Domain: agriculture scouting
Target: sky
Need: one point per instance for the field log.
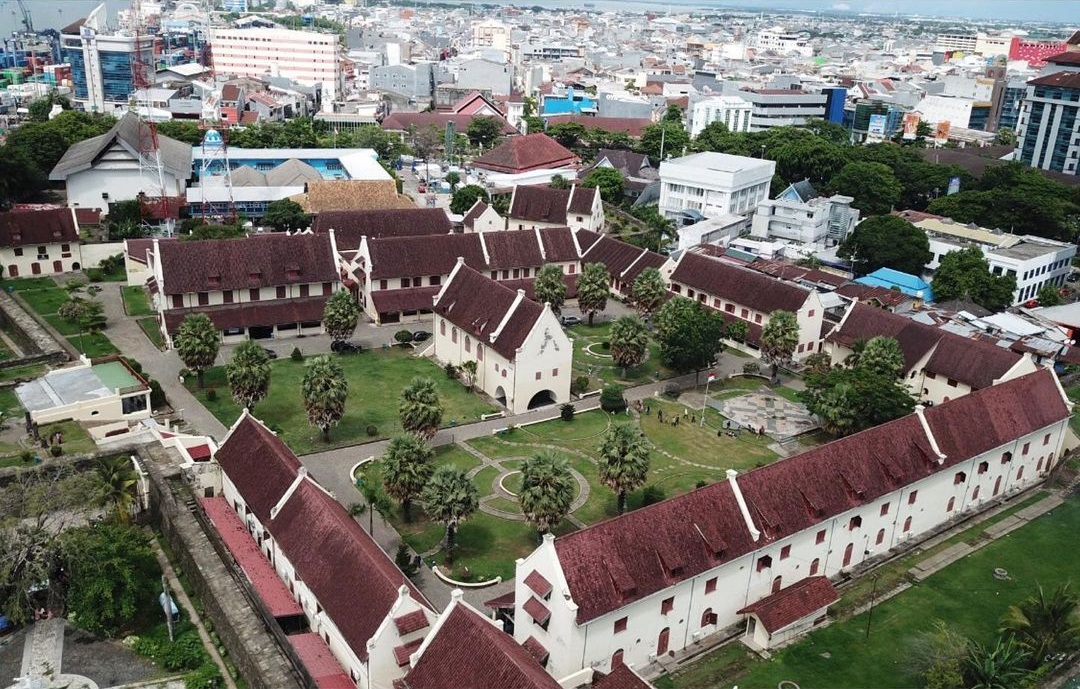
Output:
(1065, 11)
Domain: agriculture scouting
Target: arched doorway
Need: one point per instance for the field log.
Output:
(542, 399)
(500, 395)
(662, 641)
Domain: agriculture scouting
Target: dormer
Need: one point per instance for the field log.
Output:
(213, 281)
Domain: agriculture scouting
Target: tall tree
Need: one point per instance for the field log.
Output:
(286, 215)
(550, 287)
(484, 131)
(427, 142)
(648, 292)
(690, 335)
(664, 140)
(886, 241)
(465, 197)
(872, 185)
(197, 342)
(624, 460)
(1044, 624)
(849, 400)
(593, 289)
(547, 490)
(559, 182)
(324, 389)
(881, 355)
(450, 497)
(1049, 295)
(629, 342)
(965, 274)
(419, 408)
(118, 482)
(608, 180)
(568, 134)
(248, 374)
(779, 339)
(407, 467)
(340, 315)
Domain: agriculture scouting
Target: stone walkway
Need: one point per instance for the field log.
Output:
(781, 418)
(43, 655)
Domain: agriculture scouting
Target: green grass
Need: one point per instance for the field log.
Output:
(965, 594)
(93, 344)
(150, 327)
(136, 302)
(599, 367)
(75, 439)
(22, 372)
(45, 296)
(375, 378)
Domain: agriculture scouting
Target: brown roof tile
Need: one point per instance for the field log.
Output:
(412, 622)
(618, 256)
(537, 582)
(536, 649)
(477, 305)
(402, 652)
(512, 250)
(739, 285)
(259, 464)
(253, 313)
(621, 677)
(789, 605)
(403, 121)
(265, 260)
(1068, 80)
(350, 226)
(1069, 57)
(634, 126)
(475, 212)
(395, 257)
(581, 200)
(351, 194)
(398, 300)
(469, 652)
(23, 228)
(524, 153)
(539, 203)
(558, 244)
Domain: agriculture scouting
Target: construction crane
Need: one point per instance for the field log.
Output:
(153, 197)
(27, 19)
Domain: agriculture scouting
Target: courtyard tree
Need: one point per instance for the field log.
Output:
(197, 342)
(547, 490)
(248, 374)
(376, 501)
(340, 315)
(484, 131)
(849, 400)
(648, 291)
(938, 656)
(468, 373)
(624, 460)
(779, 339)
(817, 364)
(419, 408)
(965, 274)
(324, 389)
(629, 342)
(608, 180)
(886, 241)
(550, 287)
(689, 334)
(286, 215)
(881, 355)
(118, 480)
(407, 467)
(450, 497)
(426, 142)
(465, 197)
(593, 289)
(1044, 623)
(453, 179)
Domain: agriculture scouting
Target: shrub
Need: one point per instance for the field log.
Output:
(405, 561)
(372, 430)
(566, 412)
(186, 653)
(652, 495)
(211, 395)
(580, 385)
(134, 365)
(296, 355)
(206, 677)
(403, 337)
(95, 274)
(157, 394)
(26, 456)
(701, 484)
(751, 368)
(605, 345)
(56, 450)
(451, 371)
(611, 398)
(672, 390)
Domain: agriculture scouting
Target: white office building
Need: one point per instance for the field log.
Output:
(799, 214)
(733, 111)
(713, 184)
(778, 40)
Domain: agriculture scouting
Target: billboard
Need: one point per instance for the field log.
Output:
(877, 125)
(911, 125)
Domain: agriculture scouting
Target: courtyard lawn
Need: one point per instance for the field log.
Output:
(593, 360)
(136, 302)
(149, 326)
(26, 372)
(375, 378)
(965, 594)
(45, 296)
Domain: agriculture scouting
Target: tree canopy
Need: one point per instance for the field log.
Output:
(547, 490)
(593, 289)
(340, 315)
(248, 374)
(407, 467)
(965, 274)
(779, 339)
(197, 342)
(886, 241)
(550, 287)
(663, 140)
(286, 215)
(874, 188)
(624, 460)
(689, 334)
(450, 497)
(647, 291)
(323, 390)
(608, 180)
(465, 197)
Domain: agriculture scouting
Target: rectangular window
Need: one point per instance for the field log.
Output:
(65, 248)
(554, 373)
(912, 496)
(730, 308)
(405, 283)
(304, 290)
(810, 313)
(855, 523)
(178, 301)
(327, 288)
(757, 318)
(1046, 439)
(18, 251)
(744, 314)
(382, 284)
(204, 299)
(538, 375)
(434, 280)
(907, 525)
(764, 562)
(710, 585)
(785, 552)
(667, 605)
(282, 291)
(620, 625)
(453, 335)
(442, 328)
(1027, 446)
(820, 536)
(950, 505)
(884, 509)
(253, 294)
(227, 296)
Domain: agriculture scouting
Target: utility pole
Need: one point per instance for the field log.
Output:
(166, 605)
(870, 612)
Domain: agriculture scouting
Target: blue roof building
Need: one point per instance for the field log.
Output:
(573, 103)
(911, 285)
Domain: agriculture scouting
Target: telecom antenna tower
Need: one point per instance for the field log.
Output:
(154, 199)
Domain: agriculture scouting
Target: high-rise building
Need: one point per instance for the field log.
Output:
(101, 63)
(1048, 131)
(307, 57)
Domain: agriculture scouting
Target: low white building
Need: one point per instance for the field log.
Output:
(101, 392)
(44, 242)
(733, 111)
(662, 578)
(800, 214)
(524, 359)
(714, 184)
(532, 206)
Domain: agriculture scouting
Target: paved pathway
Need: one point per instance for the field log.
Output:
(43, 654)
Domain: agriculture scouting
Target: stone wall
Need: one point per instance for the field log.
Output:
(37, 344)
(251, 645)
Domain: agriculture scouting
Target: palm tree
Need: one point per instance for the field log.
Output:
(376, 501)
(593, 289)
(648, 292)
(547, 490)
(550, 287)
(248, 374)
(324, 389)
(1003, 666)
(629, 342)
(624, 460)
(118, 481)
(197, 342)
(406, 469)
(419, 409)
(450, 497)
(779, 338)
(1044, 625)
(340, 315)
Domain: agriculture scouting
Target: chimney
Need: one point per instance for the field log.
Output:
(754, 533)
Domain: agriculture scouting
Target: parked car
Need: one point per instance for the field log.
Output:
(420, 336)
(567, 321)
(345, 348)
(6, 625)
(270, 353)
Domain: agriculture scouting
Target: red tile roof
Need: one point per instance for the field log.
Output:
(539, 203)
(581, 200)
(475, 212)
(403, 121)
(512, 250)
(350, 226)
(259, 464)
(869, 293)
(352, 578)
(536, 649)
(504, 601)
(621, 560)
(264, 580)
(22, 228)
(633, 126)
(1068, 80)
(412, 622)
(524, 153)
(621, 677)
(402, 652)
(88, 216)
(264, 260)
(478, 305)
(1069, 57)
(253, 313)
(397, 257)
(737, 284)
(789, 605)
(199, 452)
(623, 261)
(319, 662)
(398, 300)
(537, 610)
(558, 244)
(537, 582)
(469, 652)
